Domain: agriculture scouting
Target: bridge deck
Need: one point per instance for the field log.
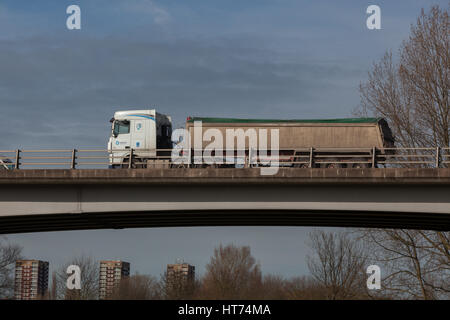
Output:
(51, 200)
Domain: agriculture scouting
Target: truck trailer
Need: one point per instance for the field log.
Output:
(348, 142)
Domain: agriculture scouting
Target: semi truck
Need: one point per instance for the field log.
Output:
(144, 136)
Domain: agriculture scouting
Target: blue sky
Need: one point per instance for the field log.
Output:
(265, 58)
(270, 58)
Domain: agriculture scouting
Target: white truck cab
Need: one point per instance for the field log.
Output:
(143, 131)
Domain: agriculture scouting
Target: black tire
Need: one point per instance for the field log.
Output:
(178, 165)
(359, 165)
(335, 165)
(134, 164)
(301, 165)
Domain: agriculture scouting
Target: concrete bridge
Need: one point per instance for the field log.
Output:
(50, 200)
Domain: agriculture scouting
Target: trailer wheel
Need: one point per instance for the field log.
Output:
(359, 165)
(301, 165)
(335, 165)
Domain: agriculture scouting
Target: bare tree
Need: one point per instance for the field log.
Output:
(412, 94)
(232, 273)
(9, 253)
(415, 263)
(305, 288)
(137, 287)
(89, 268)
(274, 287)
(337, 264)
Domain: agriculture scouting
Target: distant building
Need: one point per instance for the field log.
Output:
(180, 273)
(31, 279)
(111, 273)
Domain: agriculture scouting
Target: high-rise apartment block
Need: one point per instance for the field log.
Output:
(111, 273)
(31, 279)
(180, 272)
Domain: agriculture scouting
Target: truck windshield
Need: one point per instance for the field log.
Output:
(121, 127)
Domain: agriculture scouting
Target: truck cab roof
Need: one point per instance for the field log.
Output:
(146, 114)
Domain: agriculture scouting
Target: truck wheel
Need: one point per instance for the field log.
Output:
(178, 165)
(136, 164)
(141, 163)
(125, 164)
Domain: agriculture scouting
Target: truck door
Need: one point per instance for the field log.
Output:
(121, 139)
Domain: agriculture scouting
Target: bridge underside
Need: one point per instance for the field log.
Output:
(97, 199)
(119, 220)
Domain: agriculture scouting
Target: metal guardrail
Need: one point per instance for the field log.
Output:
(300, 157)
